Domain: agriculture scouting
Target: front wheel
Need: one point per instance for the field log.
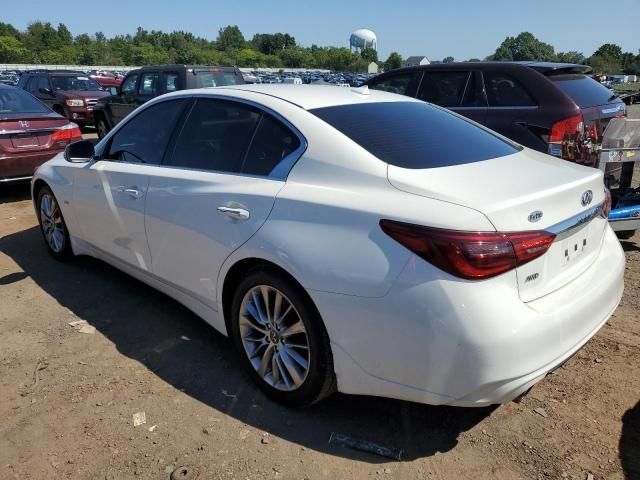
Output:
(281, 339)
(102, 127)
(52, 225)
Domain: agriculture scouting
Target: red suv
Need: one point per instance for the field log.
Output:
(71, 94)
(30, 134)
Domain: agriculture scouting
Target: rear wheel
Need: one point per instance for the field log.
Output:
(281, 339)
(52, 225)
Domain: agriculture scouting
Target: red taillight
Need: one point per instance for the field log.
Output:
(606, 206)
(567, 129)
(69, 132)
(470, 255)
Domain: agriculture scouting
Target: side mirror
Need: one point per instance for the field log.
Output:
(46, 91)
(79, 152)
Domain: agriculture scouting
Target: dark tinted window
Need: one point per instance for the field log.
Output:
(144, 138)
(443, 88)
(129, 84)
(505, 91)
(170, 81)
(38, 82)
(472, 95)
(149, 83)
(395, 84)
(414, 134)
(585, 91)
(271, 143)
(13, 100)
(215, 136)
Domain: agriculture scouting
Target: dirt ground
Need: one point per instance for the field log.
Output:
(68, 398)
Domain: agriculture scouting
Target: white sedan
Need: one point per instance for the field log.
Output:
(347, 240)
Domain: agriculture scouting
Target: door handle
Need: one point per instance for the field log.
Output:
(132, 192)
(236, 213)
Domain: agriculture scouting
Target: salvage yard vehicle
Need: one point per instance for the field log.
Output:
(30, 134)
(479, 267)
(143, 84)
(106, 79)
(69, 93)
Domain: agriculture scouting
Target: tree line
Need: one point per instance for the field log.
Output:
(41, 42)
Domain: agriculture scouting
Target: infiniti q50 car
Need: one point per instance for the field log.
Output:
(347, 240)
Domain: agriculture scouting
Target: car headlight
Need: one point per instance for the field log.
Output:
(74, 103)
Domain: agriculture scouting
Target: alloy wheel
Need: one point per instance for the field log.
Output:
(274, 338)
(52, 224)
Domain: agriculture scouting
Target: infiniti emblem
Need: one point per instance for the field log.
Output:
(586, 198)
(24, 123)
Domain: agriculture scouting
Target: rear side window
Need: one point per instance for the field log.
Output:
(204, 79)
(414, 134)
(143, 139)
(505, 91)
(395, 84)
(170, 82)
(585, 91)
(443, 88)
(13, 100)
(215, 136)
(271, 144)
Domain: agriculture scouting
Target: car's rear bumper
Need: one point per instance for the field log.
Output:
(437, 340)
(21, 167)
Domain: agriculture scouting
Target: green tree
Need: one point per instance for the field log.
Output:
(609, 50)
(393, 61)
(11, 49)
(369, 55)
(474, 59)
(448, 60)
(230, 38)
(604, 65)
(571, 57)
(524, 47)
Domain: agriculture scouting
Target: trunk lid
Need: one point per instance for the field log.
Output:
(525, 191)
(23, 133)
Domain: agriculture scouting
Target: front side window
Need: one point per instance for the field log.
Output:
(143, 139)
(443, 88)
(415, 134)
(69, 82)
(129, 84)
(215, 136)
(395, 84)
(149, 83)
(505, 91)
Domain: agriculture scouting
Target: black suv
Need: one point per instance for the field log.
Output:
(143, 84)
(537, 104)
(70, 93)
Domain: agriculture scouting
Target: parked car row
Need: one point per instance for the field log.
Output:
(353, 79)
(352, 239)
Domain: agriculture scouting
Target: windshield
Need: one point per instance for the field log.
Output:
(68, 82)
(415, 134)
(214, 79)
(13, 100)
(583, 90)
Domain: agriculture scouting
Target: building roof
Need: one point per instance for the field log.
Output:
(415, 59)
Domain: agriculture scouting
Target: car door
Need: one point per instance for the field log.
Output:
(149, 87)
(110, 193)
(510, 105)
(123, 104)
(456, 90)
(215, 191)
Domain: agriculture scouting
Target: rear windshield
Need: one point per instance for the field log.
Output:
(414, 134)
(13, 100)
(214, 79)
(583, 90)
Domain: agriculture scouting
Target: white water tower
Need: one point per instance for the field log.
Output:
(361, 39)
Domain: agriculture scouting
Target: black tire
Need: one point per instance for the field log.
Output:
(64, 253)
(102, 128)
(625, 234)
(320, 379)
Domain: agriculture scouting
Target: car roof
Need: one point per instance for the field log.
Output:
(304, 96)
(542, 67)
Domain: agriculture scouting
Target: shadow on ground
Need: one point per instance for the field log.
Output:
(630, 443)
(149, 327)
(14, 192)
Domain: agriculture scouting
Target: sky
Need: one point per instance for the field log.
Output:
(463, 28)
